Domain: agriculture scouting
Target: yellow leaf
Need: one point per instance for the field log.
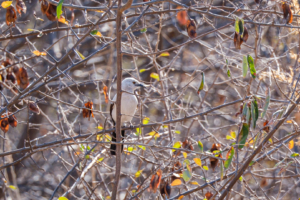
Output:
(176, 145)
(107, 197)
(184, 154)
(229, 137)
(81, 56)
(6, 4)
(271, 141)
(138, 173)
(100, 11)
(152, 133)
(63, 20)
(291, 144)
(146, 120)
(180, 197)
(205, 167)
(30, 29)
(289, 121)
(194, 183)
(165, 54)
(232, 133)
(43, 53)
(100, 127)
(176, 182)
(154, 75)
(63, 198)
(99, 160)
(12, 187)
(198, 161)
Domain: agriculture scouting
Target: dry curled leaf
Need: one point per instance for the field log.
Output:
(287, 12)
(12, 120)
(238, 39)
(33, 107)
(208, 195)
(49, 10)
(191, 28)
(105, 94)
(22, 78)
(165, 189)
(11, 15)
(155, 181)
(20, 5)
(87, 113)
(4, 124)
(215, 149)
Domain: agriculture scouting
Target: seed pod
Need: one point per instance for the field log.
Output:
(239, 39)
(4, 125)
(87, 113)
(33, 107)
(49, 10)
(287, 12)
(11, 15)
(165, 189)
(20, 5)
(12, 120)
(22, 78)
(191, 28)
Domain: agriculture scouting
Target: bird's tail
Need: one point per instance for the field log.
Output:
(113, 147)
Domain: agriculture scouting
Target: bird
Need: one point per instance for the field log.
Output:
(129, 104)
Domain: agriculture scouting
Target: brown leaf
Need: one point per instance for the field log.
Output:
(209, 195)
(214, 161)
(33, 107)
(12, 120)
(20, 5)
(4, 125)
(165, 189)
(264, 182)
(22, 78)
(287, 12)
(87, 113)
(11, 15)
(266, 128)
(238, 39)
(191, 28)
(49, 10)
(187, 145)
(105, 94)
(182, 17)
(155, 181)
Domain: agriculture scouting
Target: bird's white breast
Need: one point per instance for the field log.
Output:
(128, 107)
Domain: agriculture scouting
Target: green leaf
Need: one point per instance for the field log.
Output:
(144, 30)
(245, 110)
(100, 159)
(202, 83)
(243, 135)
(245, 66)
(96, 32)
(254, 113)
(251, 66)
(187, 173)
(241, 27)
(221, 170)
(187, 162)
(237, 28)
(87, 156)
(251, 163)
(200, 145)
(12, 187)
(138, 131)
(229, 157)
(59, 9)
(248, 116)
(267, 102)
(294, 155)
(142, 147)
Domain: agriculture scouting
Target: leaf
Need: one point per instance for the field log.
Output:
(63, 20)
(155, 134)
(177, 132)
(221, 170)
(293, 155)
(22, 78)
(229, 157)
(87, 112)
(130, 149)
(205, 167)
(154, 75)
(251, 66)
(233, 134)
(146, 120)
(155, 180)
(245, 66)
(241, 178)
(181, 197)
(81, 56)
(254, 113)
(63, 198)
(291, 144)
(176, 182)
(142, 70)
(138, 131)
(96, 32)
(243, 135)
(38, 53)
(105, 93)
(202, 83)
(138, 173)
(59, 9)
(6, 4)
(100, 159)
(198, 161)
(237, 28)
(200, 145)
(267, 102)
(176, 145)
(187, 173)
(184, 154)
(143, 30)
(182, 17)
(194, 183)
(191, 28)
(165, 54)
(12, 187)
(142, 147)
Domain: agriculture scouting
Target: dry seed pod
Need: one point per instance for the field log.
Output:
(49, 10)
(155, 180)
(20, 5)
(33, 107)
(12, 120)
(11, 15)
(87, 113)
(4, 125)
(191, 28)
(22, 78)
(287, 12)
(238, 39)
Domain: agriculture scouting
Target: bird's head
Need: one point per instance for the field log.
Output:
(130, 84)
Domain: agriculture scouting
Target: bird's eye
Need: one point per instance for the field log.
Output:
(133, 82)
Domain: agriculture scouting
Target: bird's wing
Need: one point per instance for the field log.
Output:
(111, 108)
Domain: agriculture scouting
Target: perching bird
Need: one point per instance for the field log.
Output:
(129, 104)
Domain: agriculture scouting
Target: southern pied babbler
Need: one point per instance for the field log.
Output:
(129, 104)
